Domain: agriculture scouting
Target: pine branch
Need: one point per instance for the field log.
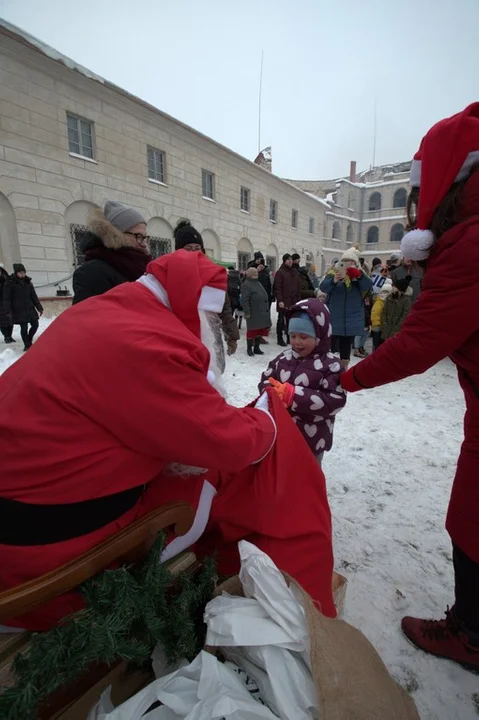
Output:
(127, 612)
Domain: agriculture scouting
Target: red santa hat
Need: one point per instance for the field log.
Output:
(190, 282)
(446, 155)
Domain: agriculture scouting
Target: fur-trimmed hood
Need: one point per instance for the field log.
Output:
(107, 233)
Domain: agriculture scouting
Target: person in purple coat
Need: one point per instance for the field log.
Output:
(306, 376)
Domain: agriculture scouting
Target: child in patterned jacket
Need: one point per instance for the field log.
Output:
(306, 376)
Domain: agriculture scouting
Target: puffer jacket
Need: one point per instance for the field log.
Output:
(318, 393)
(21, 302)
(377, 313)
(346, 304)
(255, 305)
(396, 310)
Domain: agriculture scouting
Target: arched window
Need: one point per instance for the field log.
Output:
(350, 234)
(397, 232)
(373, 234)
(375, 201)
(400, 197)
(336, 231)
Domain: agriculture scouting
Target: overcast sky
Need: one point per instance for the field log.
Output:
(325, 66)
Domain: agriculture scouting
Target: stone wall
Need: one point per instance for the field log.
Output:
(44, 189)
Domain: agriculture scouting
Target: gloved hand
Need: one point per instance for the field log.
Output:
(232, 346)
(354, 273)
(285, 392)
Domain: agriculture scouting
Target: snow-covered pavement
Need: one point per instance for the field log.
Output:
(389, 476)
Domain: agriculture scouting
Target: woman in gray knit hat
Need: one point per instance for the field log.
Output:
(115, 249)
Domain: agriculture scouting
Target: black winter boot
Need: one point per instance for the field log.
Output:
(257, 349)
(281, 342)
(250, 348)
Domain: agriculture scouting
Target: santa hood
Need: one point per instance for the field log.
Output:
(187, 283)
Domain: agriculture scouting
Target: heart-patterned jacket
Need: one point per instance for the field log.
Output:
(318, 394)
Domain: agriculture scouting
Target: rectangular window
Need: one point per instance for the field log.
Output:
(156, 165)
(80, 136)
(273, 211)
(245, 199)
(208, 184)
(294, 219)
(311, 225)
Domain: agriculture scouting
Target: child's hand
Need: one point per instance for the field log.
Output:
(285, 392)
(354, 273)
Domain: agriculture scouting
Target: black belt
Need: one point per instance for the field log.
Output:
(27, 524)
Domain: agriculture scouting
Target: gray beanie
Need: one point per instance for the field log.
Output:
(121, 216)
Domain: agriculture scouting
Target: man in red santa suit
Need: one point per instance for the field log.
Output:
(116, 410)
(444, 322)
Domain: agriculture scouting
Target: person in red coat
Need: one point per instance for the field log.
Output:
(444, 323)
(117, 410)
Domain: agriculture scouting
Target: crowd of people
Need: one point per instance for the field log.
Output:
(355, 295)
(149, 403)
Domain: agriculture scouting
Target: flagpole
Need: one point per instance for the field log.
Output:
(259, 101)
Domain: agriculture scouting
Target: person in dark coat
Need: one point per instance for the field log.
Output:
(287, 293)
(234, 288)
(6, 325)
(264, 276)
(188, 238)
(115, 248)
(22, 304)
(256, 311)
(400, 268)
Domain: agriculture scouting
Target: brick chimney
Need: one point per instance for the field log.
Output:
(352, 171)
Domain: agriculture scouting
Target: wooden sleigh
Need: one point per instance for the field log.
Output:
(129, 546)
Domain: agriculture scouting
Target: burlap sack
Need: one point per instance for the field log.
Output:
(351, 679)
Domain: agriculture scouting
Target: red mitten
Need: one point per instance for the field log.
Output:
(354, 273)
(285, 392)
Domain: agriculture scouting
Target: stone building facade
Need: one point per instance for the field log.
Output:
(367, 210)
(70, 140)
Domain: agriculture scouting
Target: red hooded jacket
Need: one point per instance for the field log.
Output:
(444, 322)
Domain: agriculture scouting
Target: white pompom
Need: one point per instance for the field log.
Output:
(417, 244)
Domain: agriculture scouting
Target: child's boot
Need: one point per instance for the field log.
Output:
(250, 347)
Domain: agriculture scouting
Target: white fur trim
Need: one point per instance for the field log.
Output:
(212, 299)
(180, 543)
(417, 244)
(471, 159)
(155, 287)
(263, 404)
(415, 176)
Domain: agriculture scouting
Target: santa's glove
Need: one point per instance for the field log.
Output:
(285, 392)
(354, 273)
(348, 381)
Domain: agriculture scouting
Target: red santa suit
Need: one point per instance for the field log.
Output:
(118, 388)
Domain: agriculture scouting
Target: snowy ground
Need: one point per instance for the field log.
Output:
(389, 476)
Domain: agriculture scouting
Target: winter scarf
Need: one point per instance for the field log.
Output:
(128, 261)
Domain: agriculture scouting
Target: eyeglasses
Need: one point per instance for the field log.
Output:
(139, 237)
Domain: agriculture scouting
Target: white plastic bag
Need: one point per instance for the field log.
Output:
(266, 635)
(204, 690)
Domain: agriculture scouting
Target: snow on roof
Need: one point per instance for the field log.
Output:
(51, 52)
(315, 197)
